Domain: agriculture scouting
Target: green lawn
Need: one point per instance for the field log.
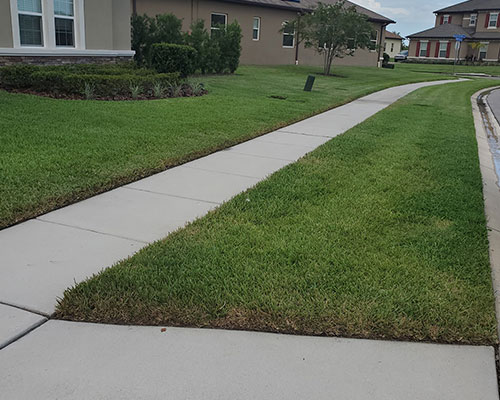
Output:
(55, 152)
(448, 69)
(379, 233)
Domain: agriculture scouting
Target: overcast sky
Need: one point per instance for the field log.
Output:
(411, 15)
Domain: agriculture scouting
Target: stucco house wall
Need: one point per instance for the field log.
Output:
(101, 34)
(268, 50)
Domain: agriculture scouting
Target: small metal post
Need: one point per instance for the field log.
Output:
(309, 83)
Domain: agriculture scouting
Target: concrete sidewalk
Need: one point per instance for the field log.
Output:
(39, 259)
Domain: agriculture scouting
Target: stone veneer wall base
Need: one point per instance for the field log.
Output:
(61, 60)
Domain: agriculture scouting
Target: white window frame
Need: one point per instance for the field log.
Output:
(441, 43)
(288, 34)
(33, 14)
(491, 19)
(422, 42)
(71, 18)
(375, 42)
(483, 48)
(214, 28)
(473, 20)
(446, 19)
(254, 29)
(49, 26)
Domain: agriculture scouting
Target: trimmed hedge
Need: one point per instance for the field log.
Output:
(168, 57)
(105, 81)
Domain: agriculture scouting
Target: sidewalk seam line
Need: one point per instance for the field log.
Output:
(91, 230)
(171, 195)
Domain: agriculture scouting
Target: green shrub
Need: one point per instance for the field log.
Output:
(109, 81)
(230, 47)
(165, 28)
(167, 58)
(17, 76)
(199, 39)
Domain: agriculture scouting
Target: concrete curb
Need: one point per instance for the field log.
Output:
(491, 189)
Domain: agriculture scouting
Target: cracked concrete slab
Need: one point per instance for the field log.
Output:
(40, 260)
(131, 214)
(196, 184)
(15, 323)
(67, 360)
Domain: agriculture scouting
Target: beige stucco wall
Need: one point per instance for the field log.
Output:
(389, 49)
(107, 24)
(5, 25)
(269, 49)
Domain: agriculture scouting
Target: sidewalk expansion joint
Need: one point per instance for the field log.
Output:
(27, 309)
(92, 230)
(172, 195)
(266, 157)
(224, 172)
(305, 134)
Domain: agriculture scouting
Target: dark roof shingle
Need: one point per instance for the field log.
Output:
(444, 31)
(308, 5)
(470, 6)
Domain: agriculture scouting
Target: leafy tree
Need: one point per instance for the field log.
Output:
(141, 38)
(167, 29)
(336, 31)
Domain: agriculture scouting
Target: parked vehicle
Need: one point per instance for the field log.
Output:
(401, 56)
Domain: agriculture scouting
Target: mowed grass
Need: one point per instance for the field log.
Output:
(55, 152)
(380, 233)
(448, 69)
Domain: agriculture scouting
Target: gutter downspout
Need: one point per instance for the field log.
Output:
(297, 41)
(382, 28)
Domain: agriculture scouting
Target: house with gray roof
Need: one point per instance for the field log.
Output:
(478, 21)
(261, 22)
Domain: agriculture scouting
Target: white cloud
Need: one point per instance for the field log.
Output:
(377, 7)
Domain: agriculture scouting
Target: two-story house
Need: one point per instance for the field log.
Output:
(59, 31)
(261, 21)
(479, 23)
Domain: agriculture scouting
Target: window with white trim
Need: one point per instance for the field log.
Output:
(483, 50)
(473, 20)
(423, 49)
(217, 21)
(288, 35)
(64, 20)
(48, 24)
(256, 28)
(30, 22)
(446, 19)
(443, 49)
(374, 40)
(493, 20)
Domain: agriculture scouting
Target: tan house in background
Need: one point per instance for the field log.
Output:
(64, 31)
(479, 23)
(261, 21)
(393, 44)
(59, 31)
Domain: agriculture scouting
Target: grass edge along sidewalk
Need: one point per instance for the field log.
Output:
(380, 233)
(57, 152)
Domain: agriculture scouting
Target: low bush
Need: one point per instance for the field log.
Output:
(168, 58)
(216, 52)
(104, 82)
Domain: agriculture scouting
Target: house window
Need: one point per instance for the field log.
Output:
(423, 49)
(288, 35)
(473, 20)
(30, 22)
(446, 19)
(64, 22)
(217, 21)
(443, 49)
(392, 47)
(256, 28)
(483, 51)
(374, 40)
(493, 20)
